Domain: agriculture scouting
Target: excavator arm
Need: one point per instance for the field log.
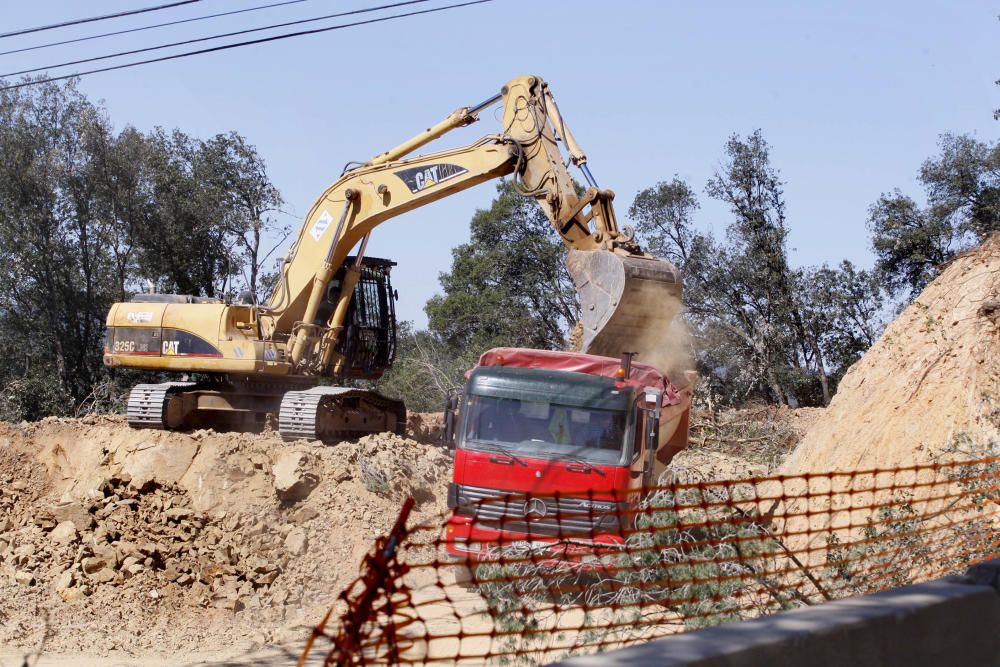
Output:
(624, 292)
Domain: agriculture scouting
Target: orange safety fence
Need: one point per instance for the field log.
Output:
(525, 579)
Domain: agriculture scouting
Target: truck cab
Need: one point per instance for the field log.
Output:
(556, 446)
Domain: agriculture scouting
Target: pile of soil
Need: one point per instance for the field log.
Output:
(155, 543)
(928, 389)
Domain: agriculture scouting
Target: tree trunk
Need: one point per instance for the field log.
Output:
(779, 393)
(824, 381)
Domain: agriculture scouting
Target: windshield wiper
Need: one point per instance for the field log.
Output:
(588, 466)
(506, 452)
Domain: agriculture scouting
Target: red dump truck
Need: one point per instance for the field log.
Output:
(582, 434)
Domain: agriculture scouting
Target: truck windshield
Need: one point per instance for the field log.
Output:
(543, 429)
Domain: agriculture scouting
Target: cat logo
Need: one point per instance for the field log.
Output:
(170, 347)
(421, 178)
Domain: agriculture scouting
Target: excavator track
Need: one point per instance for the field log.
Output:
(323, 413)
(147, 403)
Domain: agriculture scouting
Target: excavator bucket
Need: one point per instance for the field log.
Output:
(627, 302)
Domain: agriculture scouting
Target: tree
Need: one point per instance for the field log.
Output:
(909, 243)
(54, 276)
(760, 297)
(124, 199)
(663, 218)
(188, 248)
(240, 179)
(509, 284)
(762, 330)
(87, 215)
(426, 370)
(962, 185)
(842, 313)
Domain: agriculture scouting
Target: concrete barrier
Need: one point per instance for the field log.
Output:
(952, 621)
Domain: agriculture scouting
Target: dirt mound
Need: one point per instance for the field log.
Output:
(147, 542)
(930, 387)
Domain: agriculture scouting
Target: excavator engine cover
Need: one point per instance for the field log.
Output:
(626, 302)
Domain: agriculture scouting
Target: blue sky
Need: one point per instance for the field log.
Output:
(851, 96)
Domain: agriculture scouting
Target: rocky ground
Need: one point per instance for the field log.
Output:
(124, 542)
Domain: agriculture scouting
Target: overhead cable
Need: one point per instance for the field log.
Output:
(225, 47)
(211, 37)
(150, 27)
(25, 31)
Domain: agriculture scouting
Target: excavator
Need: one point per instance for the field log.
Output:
(330, 320)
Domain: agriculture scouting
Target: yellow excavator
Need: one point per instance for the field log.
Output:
(331, 315)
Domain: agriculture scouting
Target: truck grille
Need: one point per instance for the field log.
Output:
(543, 516)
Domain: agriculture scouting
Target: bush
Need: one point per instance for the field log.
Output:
(34, 396)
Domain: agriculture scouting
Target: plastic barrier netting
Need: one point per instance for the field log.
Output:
(523, 579)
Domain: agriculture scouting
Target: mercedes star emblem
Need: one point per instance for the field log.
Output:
(535, 507)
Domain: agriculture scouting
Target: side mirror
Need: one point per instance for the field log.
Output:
(448, 434)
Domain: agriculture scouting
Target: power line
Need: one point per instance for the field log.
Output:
(225, 47)
(208, 39)
(51, 26)
(150, 27)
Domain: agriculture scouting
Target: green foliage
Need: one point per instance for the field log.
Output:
(209, 201)
(90, 216)
(762, 330)
(508, 285)
(910, 535)
(699, 571)
(888, 556)
(663, 219)
(33, 396)
(962, 185)
(841, 310)
(426, 370)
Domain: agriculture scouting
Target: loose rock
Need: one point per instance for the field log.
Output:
(293, 479)
(64, 533)
(296, 542)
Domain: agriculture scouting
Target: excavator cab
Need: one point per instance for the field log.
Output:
(368, 343)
